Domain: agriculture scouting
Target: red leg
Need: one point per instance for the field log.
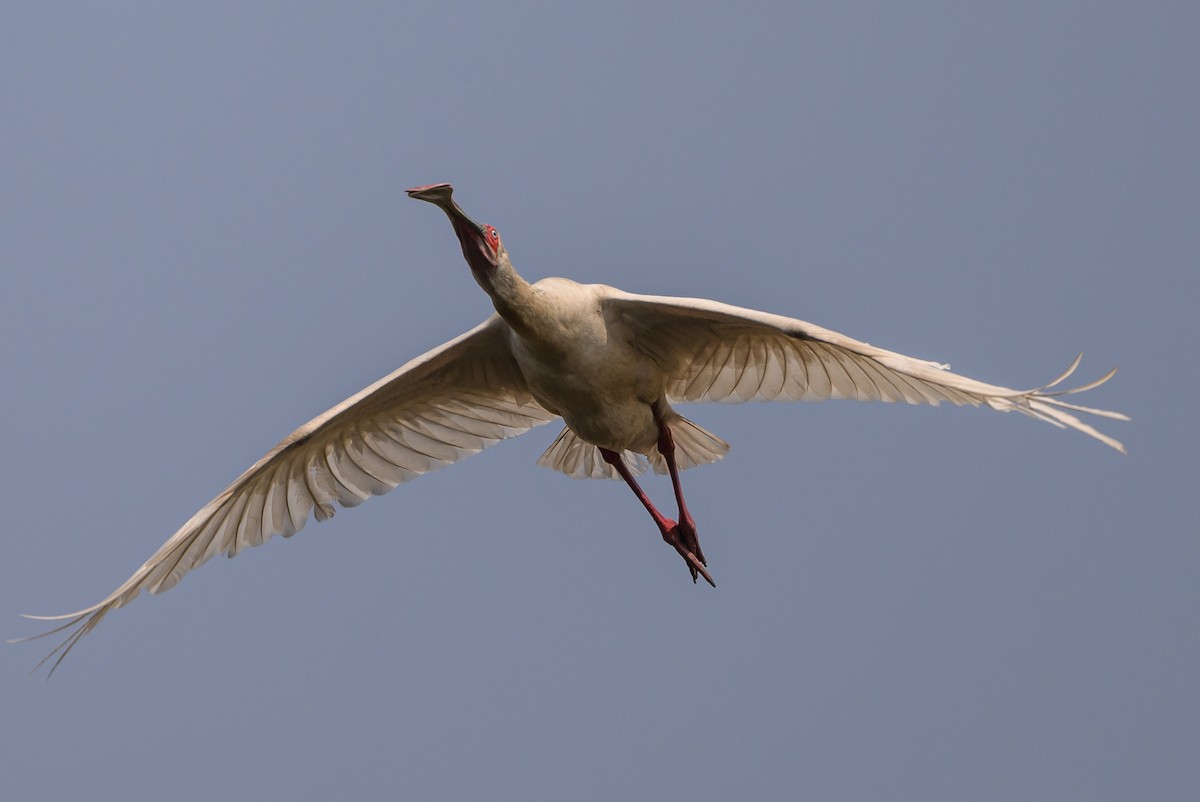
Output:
(681, 536)
(687, 525)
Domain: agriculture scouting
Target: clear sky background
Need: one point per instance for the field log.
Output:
(205, 242)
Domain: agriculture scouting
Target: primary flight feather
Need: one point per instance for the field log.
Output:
(609, 363)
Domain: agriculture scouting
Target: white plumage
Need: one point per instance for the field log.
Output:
(610, 363)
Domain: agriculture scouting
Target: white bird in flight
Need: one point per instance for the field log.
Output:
(609, 363)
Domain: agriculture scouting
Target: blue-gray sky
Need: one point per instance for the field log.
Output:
(205, 242)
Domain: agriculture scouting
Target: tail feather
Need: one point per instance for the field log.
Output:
(694, 445)
(581, 460)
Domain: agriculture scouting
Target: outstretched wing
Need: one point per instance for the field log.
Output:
(447, 404)
(712, 351)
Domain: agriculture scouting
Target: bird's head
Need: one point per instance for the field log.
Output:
(481, 244)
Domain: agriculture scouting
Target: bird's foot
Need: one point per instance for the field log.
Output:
(682, 536)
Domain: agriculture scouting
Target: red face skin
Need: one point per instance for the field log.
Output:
(492, 237)
(480, 245)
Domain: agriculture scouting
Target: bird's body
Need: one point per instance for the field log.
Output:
(586, 368)
(591, 377)
(608, 362)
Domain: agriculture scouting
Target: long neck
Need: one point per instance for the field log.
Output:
(517, 302)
